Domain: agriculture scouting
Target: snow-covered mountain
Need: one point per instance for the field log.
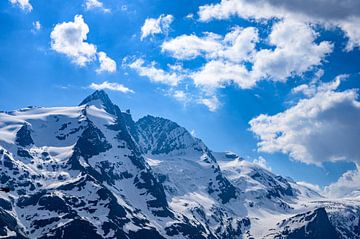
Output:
(90, 171)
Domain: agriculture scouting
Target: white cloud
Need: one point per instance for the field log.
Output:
(332, 13)
(158, 25)
(294, 53)
(36, 26)
(172, 77)
(23, 4)
(110, 86)
(305, 89)
(321, 128)
(352, 32)
(155, 74)
(241, 8)
(218, 73)
(291, 49)
(180, 95)
(313, 187)
(93, 4)
(190, 16)
(315, 86)
(237, 45)
(191, 46)
(261, 161)
(348, 185)
(69, 38)
(106, 64)
(212, 103)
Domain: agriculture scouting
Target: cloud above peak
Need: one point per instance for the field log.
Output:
(110, 86)
(69, 38)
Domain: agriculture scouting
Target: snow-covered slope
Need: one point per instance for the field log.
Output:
(90, 171)
(281, 208)
(193, 181)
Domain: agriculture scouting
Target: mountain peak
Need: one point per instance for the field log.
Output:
(98, 95)
(101, 100)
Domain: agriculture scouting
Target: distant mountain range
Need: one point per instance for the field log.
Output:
(90, 171)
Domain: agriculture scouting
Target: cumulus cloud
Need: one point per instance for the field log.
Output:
(291, 49)
(237, 45)
(23, 4)
(158, 25)
(348, 185)
(261, 161)
(294, 52)
(191, 46)
(93, 4)
(323, 127)
(333, 13)
(110, 86)
(352, 32)
(155, 74)
(218, 73)
(106, 63)
(69, 38)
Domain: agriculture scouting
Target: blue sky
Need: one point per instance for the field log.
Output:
(211, 66)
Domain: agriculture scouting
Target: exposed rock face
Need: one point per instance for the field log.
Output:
(23, 136)
(313, 224)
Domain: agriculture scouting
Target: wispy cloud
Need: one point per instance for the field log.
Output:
(110, 86)
(153, 73)
(212, 103)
